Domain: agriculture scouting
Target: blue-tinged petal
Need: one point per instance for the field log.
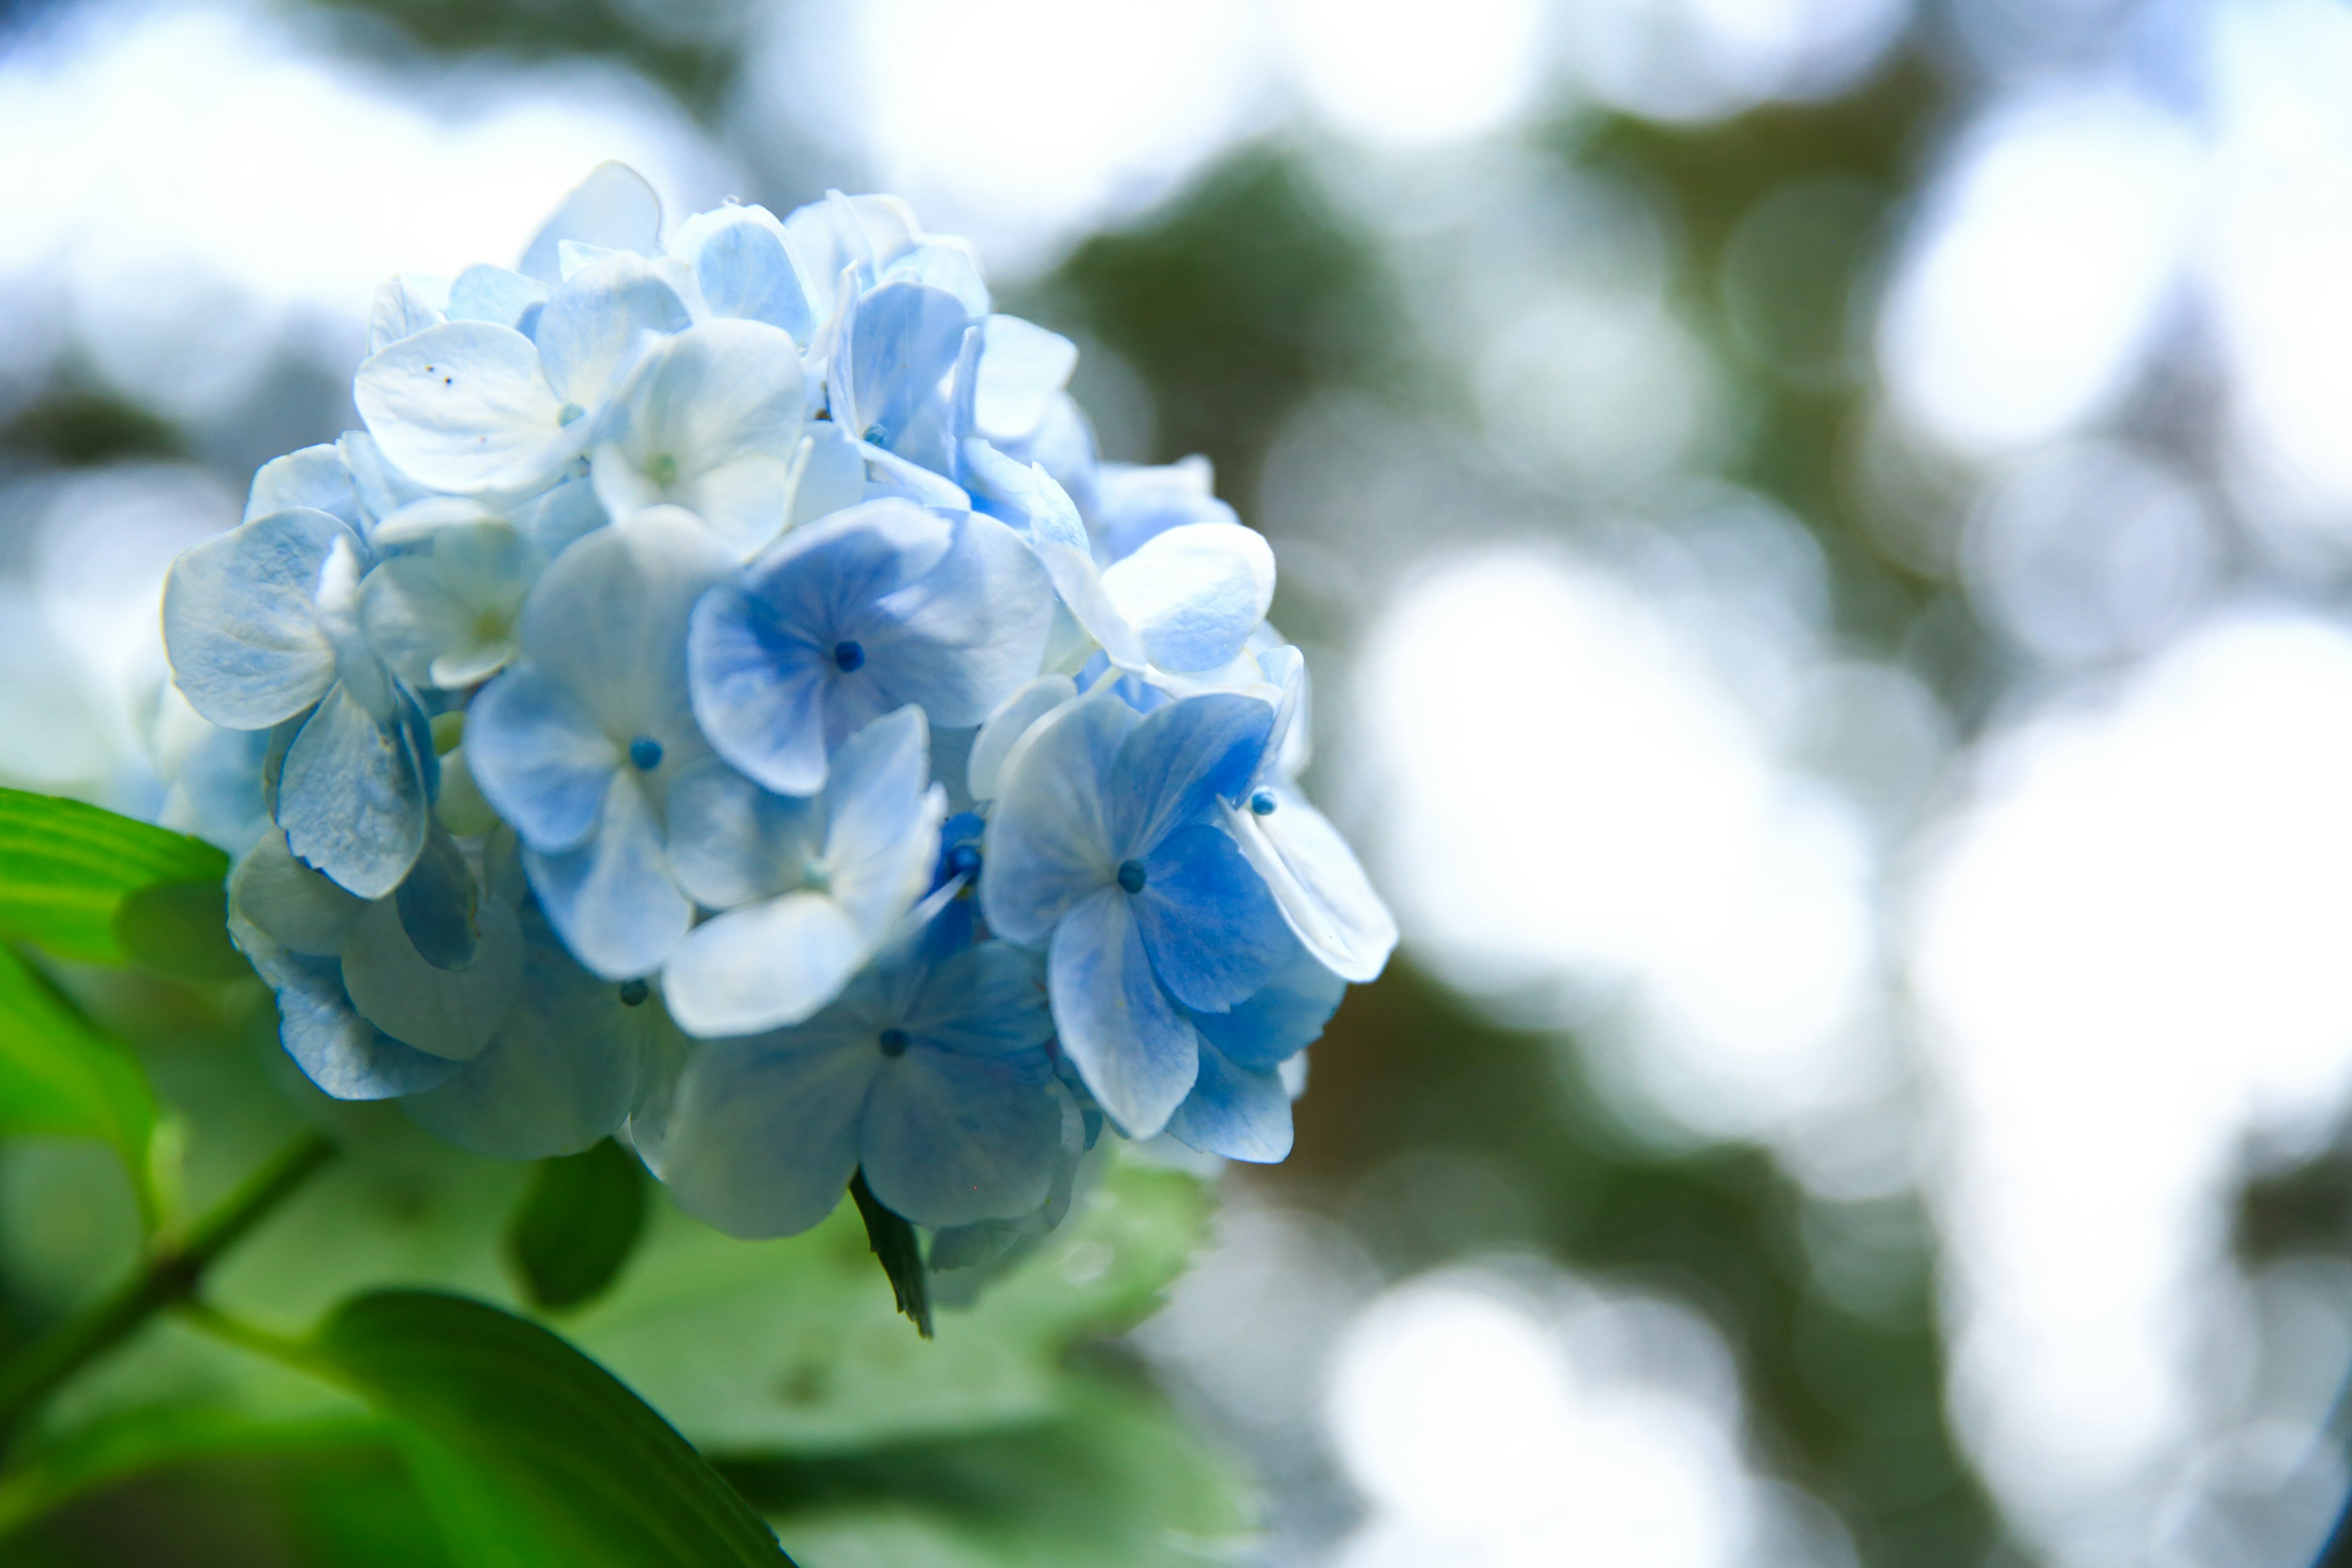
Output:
(1022, 365)
(449, 1012)
(712, 424)
(313, 479)
(612, 898)
(485, 293)
(295, 907)
(609, 620)
(240, 622)
(763, 965)
(897, 344)
(1208, 922)
(744, 268)
(540, 757)
(404, 307)
(595, 328)
(1049, 843)
(883, 817)
(890, 477)
(337, 1049)
(758, 689)
(1138, 1054)
(968, 634)
(1194, 593)
(1281, 1020)
(763, 1138)
(613, 208)
(561, 1072)
(1319, 883)
(986, 1001)
(383, 489)
(732, 842)
(1135, 504)
(831, 475)
(1012, 719)
(439, 903)
(559, 515)
(946, 264)
(417, 521)
(1183, 758)
(354, 796)
(949, 1139)
(1241, 1113)
(462, 406)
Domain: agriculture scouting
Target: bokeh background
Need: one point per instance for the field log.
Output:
(1822, 530)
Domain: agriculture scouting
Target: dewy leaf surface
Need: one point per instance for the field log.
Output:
(526, 1437)
(66, 868)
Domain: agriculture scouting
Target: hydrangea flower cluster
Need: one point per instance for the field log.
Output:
(720, 698)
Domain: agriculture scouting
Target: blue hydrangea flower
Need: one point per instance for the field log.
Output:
(1106, 848)
(577, 742)
(443, 615)
(843, 620)
(262, 626)
(810, 889)
(1240, 1103)
(930, 1074)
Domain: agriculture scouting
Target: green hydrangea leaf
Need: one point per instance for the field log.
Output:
(66, 868)
(577, 1226)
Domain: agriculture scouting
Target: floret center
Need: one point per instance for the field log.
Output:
(1262, 804)
(894, 1042)
(645, 753)
(1132, 876)
(848, 657)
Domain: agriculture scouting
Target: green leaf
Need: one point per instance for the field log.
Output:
(179, 929)
(577, 1224)
(66, 868)
(60, 1074)
(795, 1346)
(583, 1471)
(900, 1252)
(1116, 1478)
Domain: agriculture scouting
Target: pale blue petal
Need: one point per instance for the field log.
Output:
(897, 344)
(295, 907)
(239, 624)
(1135, 504)
(744, 268)
(1241, 1113)
(1183, 758)
(882, 817)
(1012, 720)
(540, 757)
(462, 406)
(732, 842)
(613, 208)
(383, 489)
(763, 965)
(354, 796)
(985, 1001)
(337, 1049)
(555, 519)
(762, 1139)
(1049, 843)
(613, 898)
(965, 636)
(832, 476)
(723, 390)
(1210, 927)
(439, 905)
(1285, 1017)
(890, 477)
(404, 307)
(561, 1072)
(313, 479)
(609, 619)
(1022, 365)
(1194, 593)
(758, 688)
(446, 1013)
(943, 263)
(1134, 1051)
(601, 322)
(949, 1140)
(1318, 884)
(485, 293)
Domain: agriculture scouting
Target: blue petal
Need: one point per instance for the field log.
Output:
(732, 842)
(609, 620)
(239, 622)
(1194, 593)
(883, 817)
(1283, 1018)
(612, 897)
(340, 1051)
(763, 1137)
(966, 636)
(540, 758)
(561, 1072)
(897, 344)
(462, 406)
(485, 293)
(1241, 1113)
(295, 907)
(758, 688)
(1135, 504)
(949, 1139)
(1049, 843)
(1136, 1054)
(1181, 759)
(1213, 932)
(354, 795)
(763, 965)
(1319, 883)
(313, 479)
(601, 322)
(1022, 365)
(986, 1001)
(449, 1012)
(744, 270)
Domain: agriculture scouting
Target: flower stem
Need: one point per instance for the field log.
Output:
(171, 1274)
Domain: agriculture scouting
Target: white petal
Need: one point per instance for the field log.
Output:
(1194, 593)
(462, 406)
(1013, 718)
(762, 966)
